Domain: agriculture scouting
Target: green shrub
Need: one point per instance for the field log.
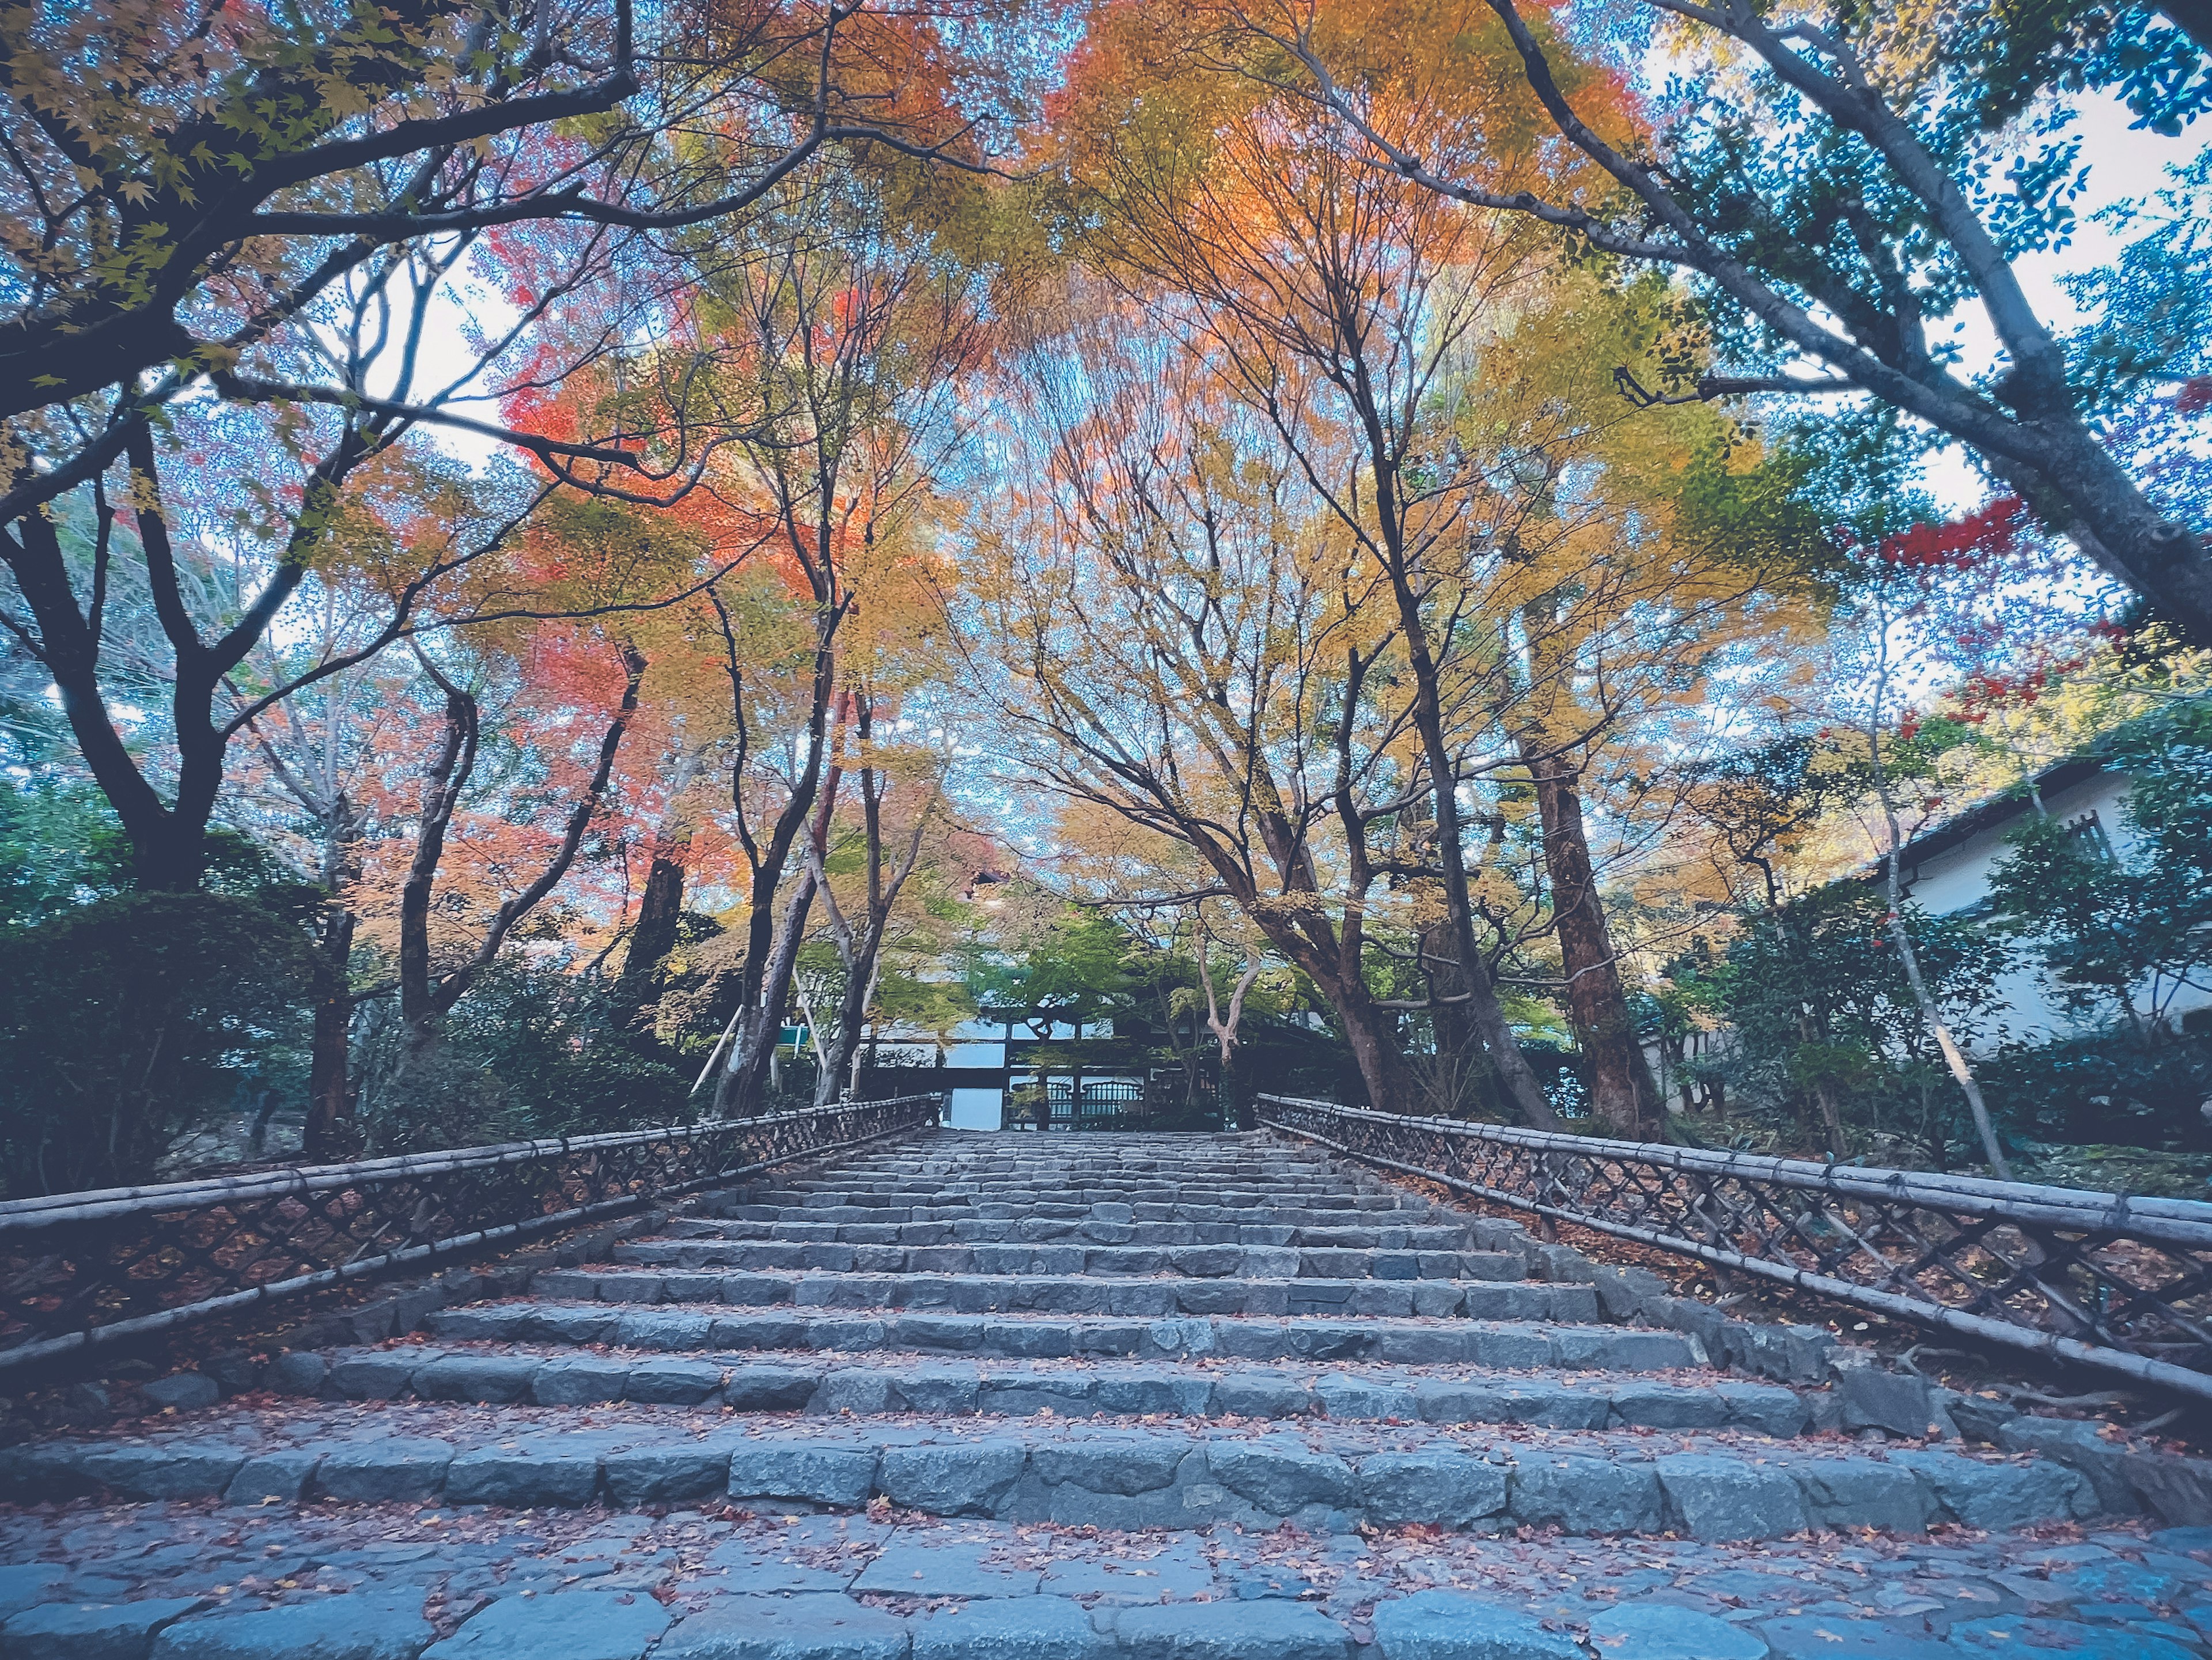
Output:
(531, 1052)
(130, 1021)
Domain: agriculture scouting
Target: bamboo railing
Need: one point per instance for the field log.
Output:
(79, 1271)
(2119, 1283)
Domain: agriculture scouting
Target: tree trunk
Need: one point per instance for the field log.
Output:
(1519, 1081)
(760, 1023)
(652, 937)
(2089, 497)
(843, 1048)
(448, 777)
(1465, 1081)
(330, 1090)
(1391, 1085)
(1962, 1072)
(1622, 1095)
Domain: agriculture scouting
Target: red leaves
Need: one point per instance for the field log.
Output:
(1991, 533)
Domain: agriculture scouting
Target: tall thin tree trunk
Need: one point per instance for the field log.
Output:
(1622, 1094)
(330, 1089)
(1503, 1048)
(1908, 959)
(1390, 1083)
(760, 1023)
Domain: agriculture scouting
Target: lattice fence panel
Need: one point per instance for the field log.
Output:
(2109, 1281)
(78, 1269)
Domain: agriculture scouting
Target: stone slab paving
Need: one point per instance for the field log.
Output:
(176, 1581)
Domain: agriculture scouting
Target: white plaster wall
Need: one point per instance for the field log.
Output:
(1959, 880)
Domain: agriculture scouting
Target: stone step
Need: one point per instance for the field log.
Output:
(1043, 1220)
(930, 1198)
(1076, 1182)
(1197, 1262)
(801, 1225)
(1322, 1477)
(963, 1293)
(489, 1374)
(1505, 1344)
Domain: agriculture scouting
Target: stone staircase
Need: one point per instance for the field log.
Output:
(1169, 1398)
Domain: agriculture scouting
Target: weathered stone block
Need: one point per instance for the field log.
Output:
(360, 1626)
(1667, 1407)
(371, 1376)
(966, 1479)
(485, 1378)
(1763, 1406)
(1434, 1489)
(563, 1470)
(1009, 1628)
(2002, 1496)
(398, 1467)
(1355, 1398)
(672, 1473)
(165, 1469)
(1876, 1397)
(282, 1475)
(1726, 1498)
(1070, 1394)
(948, 1391)
(857, 1392)
(574, 1625)
(297, 1371)
(2178, 1491)
(1126, 1466)
(183, 1391)
(234, 1371)
(580, 1383)
(925, 1331)
(73, 1631)
(843, 1476)
(1280, 1475)
(814, 1627)
(659, 1329)
(1585, 1495)
(677, 1382)
(1175, 1394)
(2077, 1445)
(769, 1389)
(1858, 1492)
(1230, 1631)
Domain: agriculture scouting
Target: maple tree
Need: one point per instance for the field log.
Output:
(1834, 254)
(1337, 302)
(1345, 310)
(255, 218)
(1180, 655)
(833, 351)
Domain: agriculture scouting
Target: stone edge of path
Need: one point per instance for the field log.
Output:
(1118, 1478)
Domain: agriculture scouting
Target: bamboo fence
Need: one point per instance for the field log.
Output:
(83, 1271)
(2113, 1281)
